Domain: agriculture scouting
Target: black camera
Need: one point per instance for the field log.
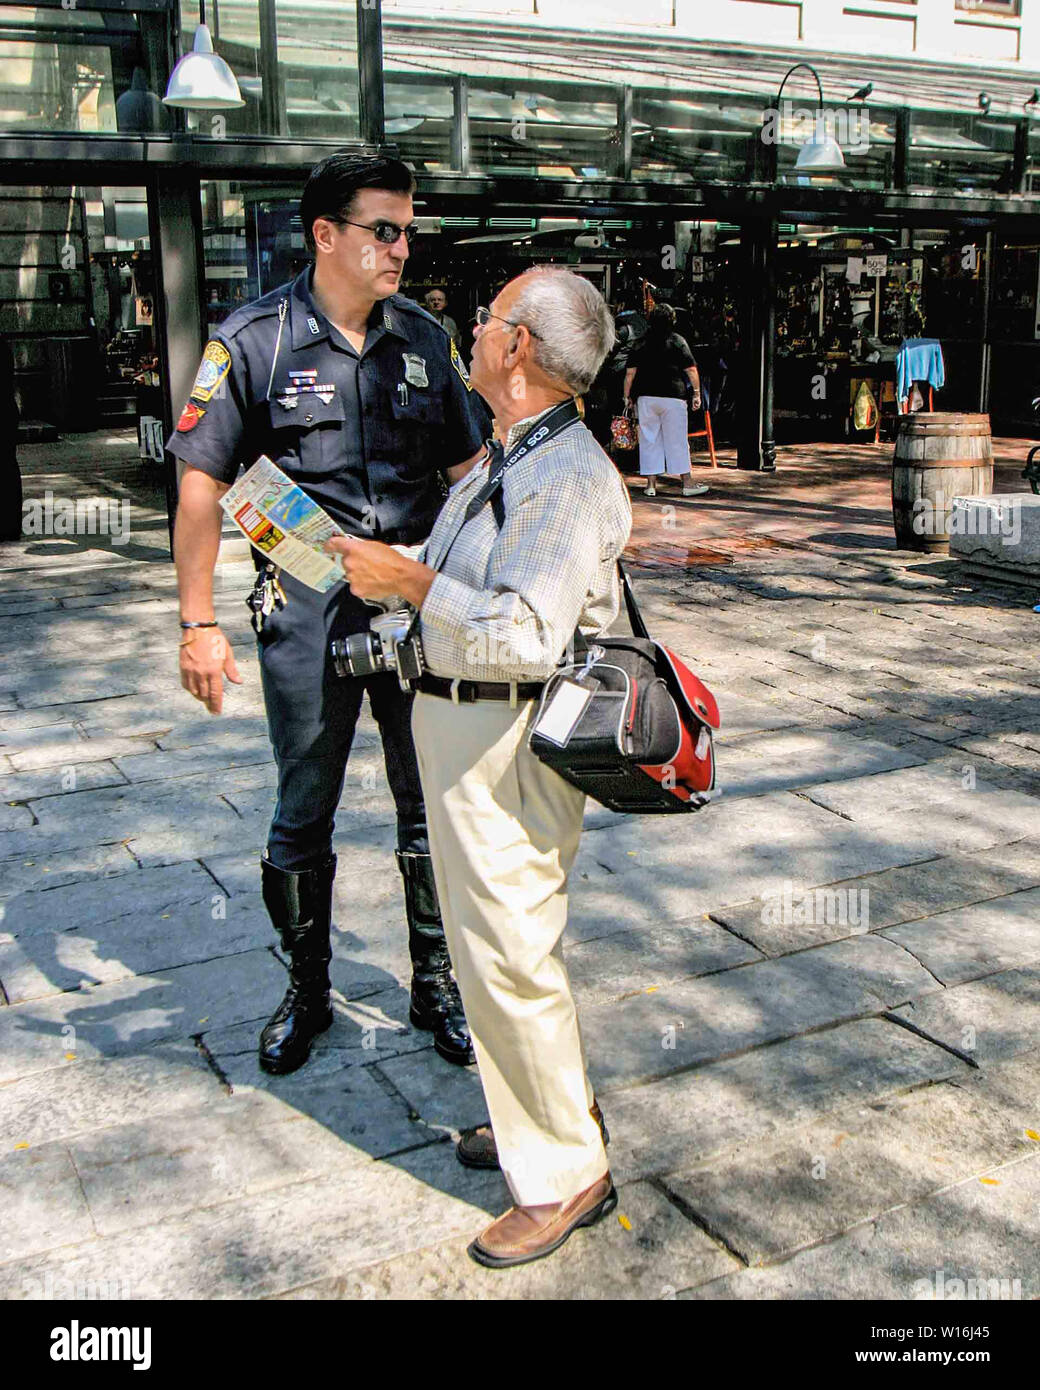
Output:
(386, 646)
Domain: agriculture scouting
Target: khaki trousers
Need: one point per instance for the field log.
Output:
(504, 831)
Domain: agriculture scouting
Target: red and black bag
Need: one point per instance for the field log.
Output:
(628, 723)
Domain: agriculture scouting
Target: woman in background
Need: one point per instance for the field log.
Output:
(658, 371)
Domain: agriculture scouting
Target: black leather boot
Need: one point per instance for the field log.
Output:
(435, 1003)
(300, 907)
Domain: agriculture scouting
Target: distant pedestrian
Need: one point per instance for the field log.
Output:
(658, 371)
(436, 303)
(10, 475)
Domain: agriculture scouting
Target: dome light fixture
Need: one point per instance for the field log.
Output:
(202, 81)
(821, 153)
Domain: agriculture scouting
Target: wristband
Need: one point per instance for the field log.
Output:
(185, 626)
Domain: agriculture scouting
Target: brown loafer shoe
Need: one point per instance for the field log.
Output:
(477, 1148)
(530, 1233)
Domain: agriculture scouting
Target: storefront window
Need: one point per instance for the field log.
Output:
(252, 242)
(562, 130)
(847, 300)
(419, 113)
(295, 62)
(966, 153)
(76, 71)
(678, 137)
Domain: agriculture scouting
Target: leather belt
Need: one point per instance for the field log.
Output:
(466, 692)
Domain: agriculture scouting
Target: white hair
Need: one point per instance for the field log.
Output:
(574, 327)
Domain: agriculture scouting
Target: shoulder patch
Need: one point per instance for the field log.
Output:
(459, 365)
(190, 417)
(214, 367)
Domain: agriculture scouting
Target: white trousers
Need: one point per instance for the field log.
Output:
(504, 831)
(663, 443)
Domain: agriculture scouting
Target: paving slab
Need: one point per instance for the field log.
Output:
(779, 923)
(948, 781)
(14, 819)
(630, 961)
(59, 780)
(71, 1100)
(659, 1031)
(136, 1174)
(120, 1019)
(246, 1248)
(774, 761)
(67, 866)
(768, 1201)
(645, 1250)
(446, 1098)
(696, 1114)
(44, 736)
(42, 1201)
(976, 1230)
(978, 940)
(155, 766)
(989, 1019)
(177, 820)
(70, 755)
(99, 931)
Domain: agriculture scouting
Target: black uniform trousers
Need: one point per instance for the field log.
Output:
(311, 716)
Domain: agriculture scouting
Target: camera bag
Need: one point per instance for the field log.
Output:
(635, 725)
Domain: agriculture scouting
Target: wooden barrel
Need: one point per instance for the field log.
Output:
(938, 457)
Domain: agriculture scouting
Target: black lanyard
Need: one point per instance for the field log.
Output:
(548, 427)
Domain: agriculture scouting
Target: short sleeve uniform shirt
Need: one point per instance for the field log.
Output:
(366, 435)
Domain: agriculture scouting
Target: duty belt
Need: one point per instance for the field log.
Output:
(468, 692)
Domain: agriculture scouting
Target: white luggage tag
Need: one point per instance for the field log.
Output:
(560, 716)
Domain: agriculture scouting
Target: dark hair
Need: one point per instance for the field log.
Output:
(333, 183)
(662, 319)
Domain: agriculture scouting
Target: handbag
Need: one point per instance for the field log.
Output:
(628, 723)
(623, 430)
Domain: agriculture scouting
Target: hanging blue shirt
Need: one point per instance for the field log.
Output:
(919, 359)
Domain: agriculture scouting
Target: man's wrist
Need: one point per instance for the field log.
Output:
(415, 581)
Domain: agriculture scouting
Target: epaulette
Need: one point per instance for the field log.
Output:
(401, 301)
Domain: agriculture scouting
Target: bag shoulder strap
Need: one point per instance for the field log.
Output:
(580, 643)
(635, 617)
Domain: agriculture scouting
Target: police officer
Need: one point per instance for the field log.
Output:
(360, 397)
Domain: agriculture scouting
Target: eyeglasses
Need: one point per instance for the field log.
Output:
(386, 232)
(482, 315)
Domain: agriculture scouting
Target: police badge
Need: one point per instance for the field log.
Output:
(415, 369)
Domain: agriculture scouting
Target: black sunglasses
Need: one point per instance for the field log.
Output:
(483, 315)
(386, 232)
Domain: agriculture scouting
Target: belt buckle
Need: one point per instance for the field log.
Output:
(455, 690)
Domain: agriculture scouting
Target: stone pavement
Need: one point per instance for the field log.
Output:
(811, 1094)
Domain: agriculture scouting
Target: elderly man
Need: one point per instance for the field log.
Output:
(437, 303)
(502, 591)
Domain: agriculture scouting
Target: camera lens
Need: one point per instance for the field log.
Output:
(358, 655)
